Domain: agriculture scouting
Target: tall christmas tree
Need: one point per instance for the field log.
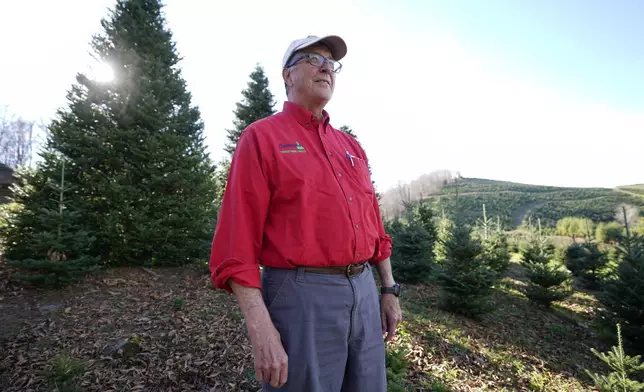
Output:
(135, 146)
(257, 103)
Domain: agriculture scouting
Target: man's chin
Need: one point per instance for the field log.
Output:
(324, 94)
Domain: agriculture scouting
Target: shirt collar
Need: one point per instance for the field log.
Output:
(304, 116)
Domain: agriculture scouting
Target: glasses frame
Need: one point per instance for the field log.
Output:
(309, 56)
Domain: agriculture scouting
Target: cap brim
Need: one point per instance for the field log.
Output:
(336, 44)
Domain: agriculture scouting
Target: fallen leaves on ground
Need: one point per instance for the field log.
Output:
(132, 330)
(126, 331)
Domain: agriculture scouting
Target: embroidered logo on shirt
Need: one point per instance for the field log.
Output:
(288, 148)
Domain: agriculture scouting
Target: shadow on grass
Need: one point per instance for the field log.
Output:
(519, 345)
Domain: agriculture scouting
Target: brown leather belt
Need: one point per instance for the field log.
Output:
(348, 271)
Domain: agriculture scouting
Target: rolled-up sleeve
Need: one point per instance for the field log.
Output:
(238, 234)
(383, 250)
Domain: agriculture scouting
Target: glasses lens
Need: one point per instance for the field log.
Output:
(316, 59)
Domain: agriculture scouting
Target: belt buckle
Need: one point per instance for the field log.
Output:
(348, 270)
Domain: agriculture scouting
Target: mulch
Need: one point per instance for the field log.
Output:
(124, 330)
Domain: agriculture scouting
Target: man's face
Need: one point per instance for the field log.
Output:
(310, 81)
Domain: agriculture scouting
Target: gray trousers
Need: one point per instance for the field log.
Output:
(330, 329)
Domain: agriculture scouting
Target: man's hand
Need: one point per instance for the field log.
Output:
(271, 361)
(391, 315)
(389, 307)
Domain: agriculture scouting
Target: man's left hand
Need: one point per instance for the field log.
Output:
(391, 315)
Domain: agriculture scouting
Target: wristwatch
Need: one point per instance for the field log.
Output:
(395, 290)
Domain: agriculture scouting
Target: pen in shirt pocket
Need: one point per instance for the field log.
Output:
(351, 158)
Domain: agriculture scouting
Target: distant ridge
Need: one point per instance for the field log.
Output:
(514, 203)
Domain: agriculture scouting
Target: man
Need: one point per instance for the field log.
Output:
(300, 202)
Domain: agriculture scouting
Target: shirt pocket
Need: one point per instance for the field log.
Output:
(363, 177)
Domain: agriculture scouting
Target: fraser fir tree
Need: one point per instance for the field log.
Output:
(549, 280)
(414, 235)
(622, 367)
(412, 255)
(53, 249)
(421, 212)
(257, 103)
(623, 294)
(346, 129)
(495, 243)
(587, 262)
(465, 277)
(443, 235)
(135, 146)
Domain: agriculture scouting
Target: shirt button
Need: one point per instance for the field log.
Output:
(358, 254)
(350, 198)
(329, 153)
(357, 226)
(339, 174)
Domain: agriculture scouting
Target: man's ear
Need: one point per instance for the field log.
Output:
(286, 75)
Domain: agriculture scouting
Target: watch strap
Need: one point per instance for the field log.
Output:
(395, 290)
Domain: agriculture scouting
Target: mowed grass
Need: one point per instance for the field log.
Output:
(177, 334)
(637, 189)
(517, 347)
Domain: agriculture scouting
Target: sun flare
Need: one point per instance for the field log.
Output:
(101, 72)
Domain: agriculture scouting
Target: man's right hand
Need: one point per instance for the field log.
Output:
(271, 361)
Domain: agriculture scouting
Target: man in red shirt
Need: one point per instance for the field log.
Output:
(300, 202)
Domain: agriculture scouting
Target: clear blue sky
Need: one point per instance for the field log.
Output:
(545, 92)
(593, 48)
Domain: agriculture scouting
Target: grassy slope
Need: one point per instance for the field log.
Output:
(637, 189)
(519, 346)
(192, 338)
(514, 202)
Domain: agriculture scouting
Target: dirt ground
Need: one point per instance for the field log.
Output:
(124, 330)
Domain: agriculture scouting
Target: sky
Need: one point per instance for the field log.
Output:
(543, 92)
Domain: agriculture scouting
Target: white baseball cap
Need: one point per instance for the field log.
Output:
(336, 44)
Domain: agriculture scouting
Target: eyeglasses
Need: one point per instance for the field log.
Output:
(316, 60)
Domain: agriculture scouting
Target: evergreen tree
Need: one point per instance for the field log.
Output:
(135, 146)
(257, 103)
(623, 368)
(549, 280)
(58, 252)
(346, 129)
(412, 255)
(623, 294)
(443, 234)
(465, 276)
(587, 262)
(421, 212)
(495, 243)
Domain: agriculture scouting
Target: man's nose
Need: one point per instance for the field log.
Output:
(326, 67)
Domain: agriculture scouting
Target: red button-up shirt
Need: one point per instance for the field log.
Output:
(299, 193)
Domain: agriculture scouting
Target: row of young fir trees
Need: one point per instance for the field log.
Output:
(466, 263)
(124, 177)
